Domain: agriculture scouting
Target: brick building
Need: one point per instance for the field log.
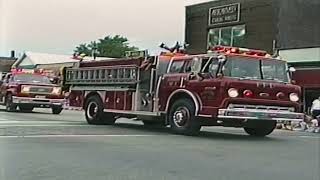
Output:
(290, 28)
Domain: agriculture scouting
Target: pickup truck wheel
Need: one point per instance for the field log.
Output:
(182, 118)
(94, 112)
(10, 107)
(57, 110)
(26, 109)
(261, 129)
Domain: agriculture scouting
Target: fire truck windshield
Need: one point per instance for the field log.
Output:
(31, 78)
(244, 67)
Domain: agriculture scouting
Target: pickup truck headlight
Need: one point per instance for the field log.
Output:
(56, 90)
(25, 89)
(294, 97)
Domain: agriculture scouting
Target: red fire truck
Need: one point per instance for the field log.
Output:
(231, 87)
(29, 90)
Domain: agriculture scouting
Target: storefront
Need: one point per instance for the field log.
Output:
(289, 28)
(307, 75)
(269, 24)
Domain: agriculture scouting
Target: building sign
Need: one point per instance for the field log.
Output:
(224, 14)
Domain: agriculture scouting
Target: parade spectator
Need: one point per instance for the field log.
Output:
(315, 108)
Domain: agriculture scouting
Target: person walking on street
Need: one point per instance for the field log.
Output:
(315, 108)
(315, 112)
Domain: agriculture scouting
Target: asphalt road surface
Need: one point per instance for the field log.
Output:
(42, 146)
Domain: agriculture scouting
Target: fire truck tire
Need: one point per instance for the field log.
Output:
(10, 107)
(26, 108)
(182, 118)
(57, 110)
(94, 112)
(262, 129)
(153, 123)
(108, 119)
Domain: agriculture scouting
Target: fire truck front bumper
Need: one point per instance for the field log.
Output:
(255, 114)
(38, 102)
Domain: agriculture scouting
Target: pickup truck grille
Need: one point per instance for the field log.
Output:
(260, 107)
(41, 90)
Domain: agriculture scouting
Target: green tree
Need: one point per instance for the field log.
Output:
(83, 49)
(109, 46)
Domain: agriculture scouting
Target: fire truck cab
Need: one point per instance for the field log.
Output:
(231, 87)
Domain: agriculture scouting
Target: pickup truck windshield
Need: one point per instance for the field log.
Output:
(31, 78)
(249, 68)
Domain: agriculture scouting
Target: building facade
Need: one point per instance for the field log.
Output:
(289, 28)
(7, 62)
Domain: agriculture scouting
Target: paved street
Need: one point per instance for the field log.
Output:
(44, 146)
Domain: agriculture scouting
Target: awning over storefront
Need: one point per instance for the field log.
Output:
(301, 55)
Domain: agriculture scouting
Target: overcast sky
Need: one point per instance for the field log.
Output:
(57, 26)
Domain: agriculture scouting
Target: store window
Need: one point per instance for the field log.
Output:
(227, 36)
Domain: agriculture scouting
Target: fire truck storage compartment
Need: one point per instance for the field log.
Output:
(119, 100)
(122, 100)
(126, 86)
(110, 100)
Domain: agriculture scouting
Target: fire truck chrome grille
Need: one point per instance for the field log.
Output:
(260, 107)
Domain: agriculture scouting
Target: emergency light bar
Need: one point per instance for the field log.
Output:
(26, 71)
(237, 50)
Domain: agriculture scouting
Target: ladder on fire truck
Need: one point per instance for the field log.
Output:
(115, 75)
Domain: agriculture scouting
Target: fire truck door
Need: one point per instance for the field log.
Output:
(170, 83)
(205, 85)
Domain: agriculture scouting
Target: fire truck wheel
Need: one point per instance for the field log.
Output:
(10, 107)
(94, 112)
(57, 110)
(26, 108)
(182, 118)
(261, 129)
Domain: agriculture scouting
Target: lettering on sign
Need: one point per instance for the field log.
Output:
(224, 14)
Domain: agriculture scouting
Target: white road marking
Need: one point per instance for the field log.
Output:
(73, 136)
(3, 175)
(43, 125)
(311, 137)
(8, 122)
(5, 119)
(35, 122)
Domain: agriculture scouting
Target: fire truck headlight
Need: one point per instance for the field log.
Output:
(56, 90)
(25, 89)
(233, 93)
(294, 97)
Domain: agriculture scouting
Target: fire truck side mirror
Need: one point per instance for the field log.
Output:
(222, 59)
(292, 69)
(219, 75)
(196, 76)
